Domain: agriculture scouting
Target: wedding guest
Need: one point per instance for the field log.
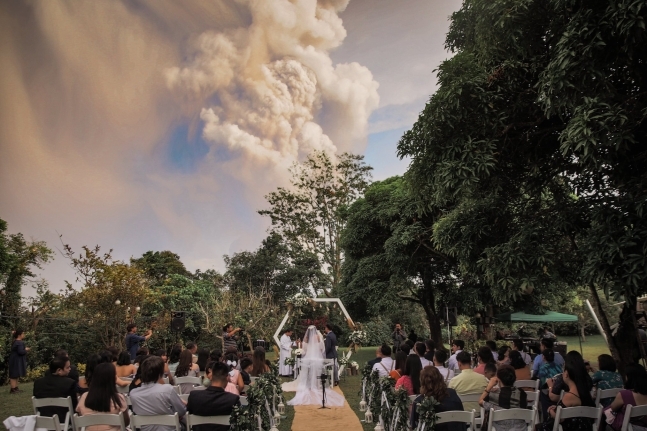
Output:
(203, 358)
(484, 356)
(493, 349)
(174, 357)
(412, 336)
(161, 353)
(405, 380)
(385, 366)
(133, 340)
(556, 384)
(503, 357)
(215, 355)
(124, 367)
(440, 356)
(246, 368)
(213, 401)
(378, 357)
(468, 381)
(413, 368)
(546, 343)
(193, 348)
(549, 367)
(17, 360)
(507, 397)
(259, 364)
(431, 348)
(517, 344)
(102, 398)
(154, 397)
(522, 372)
(235, 377)
(457, 347)
(186, 368)
(74, 372)
(432, 384)
(421, 349)
(404, 347)
(606, 377)
(635, 394)
(90, 365)
(398, 368)
(490, 371)
(56, 384)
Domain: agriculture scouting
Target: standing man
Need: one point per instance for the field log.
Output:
(133, 340)
(286, 352)
(457, 347)
(331, 349)
(398, 337)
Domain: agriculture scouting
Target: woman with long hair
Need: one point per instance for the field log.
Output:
(186, 368)
(579, 387)
(521, 370)
(167, 372)
(124, 367)
(90, 365)
(404, 381)
(259, 365)
(174, 357)
(413, 368)
(17, 360)
(634, 394)
(398, 368)
(432, 384)
(484, 356)
(203, 358)
(102, 397)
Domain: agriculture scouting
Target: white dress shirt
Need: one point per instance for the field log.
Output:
(452, 364)
(445, 372)
(384, 367)
(425, 362)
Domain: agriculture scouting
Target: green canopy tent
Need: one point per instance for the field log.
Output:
(547, 317)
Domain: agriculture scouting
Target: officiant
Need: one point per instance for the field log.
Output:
(286, 352)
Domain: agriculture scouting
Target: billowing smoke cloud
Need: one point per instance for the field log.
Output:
(273, 79)
(93, 91)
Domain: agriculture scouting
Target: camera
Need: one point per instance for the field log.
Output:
(324, 378)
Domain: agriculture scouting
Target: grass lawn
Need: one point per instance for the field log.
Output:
(17, 404)
(591, 349)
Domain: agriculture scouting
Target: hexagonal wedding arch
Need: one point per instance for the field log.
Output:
(333, 300)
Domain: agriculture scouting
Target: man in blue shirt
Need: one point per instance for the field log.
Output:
(133, 340)
(546, 343)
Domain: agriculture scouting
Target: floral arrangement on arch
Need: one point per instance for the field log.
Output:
(299, 300)
(357, 339)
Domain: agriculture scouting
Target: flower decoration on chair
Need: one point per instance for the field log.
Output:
(427, 412)
(290, 362)
(262, 398)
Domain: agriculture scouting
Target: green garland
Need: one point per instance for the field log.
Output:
(427, 412)
(259, 396)
(399, 414)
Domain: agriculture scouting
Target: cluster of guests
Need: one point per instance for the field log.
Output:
(424, 371)
(224, 376)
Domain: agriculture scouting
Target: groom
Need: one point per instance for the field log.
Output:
(331, 349)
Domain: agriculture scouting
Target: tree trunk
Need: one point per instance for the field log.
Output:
(604, 321)
(582, 334)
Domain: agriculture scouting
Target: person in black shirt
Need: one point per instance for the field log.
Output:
(213, 401)
(246, 368)
(56, 384)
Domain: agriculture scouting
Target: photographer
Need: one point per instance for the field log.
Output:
(398, 337)
(229, 336)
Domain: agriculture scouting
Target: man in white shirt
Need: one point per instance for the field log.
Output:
(440, 356)
(457, 347)
(517, 344)
(421, 349)
(492, 346)
(385, 366)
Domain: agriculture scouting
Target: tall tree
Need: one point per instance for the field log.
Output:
(390, 258)
(313, 212)
(159, 265)
(535, 145)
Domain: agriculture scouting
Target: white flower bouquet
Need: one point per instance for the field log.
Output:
(359, 337)
(298, 300)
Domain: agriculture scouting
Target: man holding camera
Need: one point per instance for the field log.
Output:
(229, 337)
(398, 337)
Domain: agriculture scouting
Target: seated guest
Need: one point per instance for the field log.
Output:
(186, 368)
(491, 344)
(546, 343)
(635, 394)
(137, 380)
(440, 356)
(103, 397)
(74, 372)
(191, 346)
(56, 384)
(398, 371)
(114, 352)
(468, 381)
(245, 368)
(259, 364)
(215, 355)
(421, 349)
(385, 366)
(556, 384)
(124, 367)
(154, 397)
(107, 358)
(606, 377)
(484, 356)
(549, 367)
(503, 356)
(203, 359)
(522, 371)
(410, 344)
(174, 357)
(167, 371)
(378, 357)
(508, 397)
(236, 383)
(490, 371)
(517, 344)
(405, 380)
(431, 348)
(432, 384)
(213, 401)
(404, 347)
(90, 364)
(414, 368)
(457, 347)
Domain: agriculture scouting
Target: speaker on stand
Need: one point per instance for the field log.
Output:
(178, 323)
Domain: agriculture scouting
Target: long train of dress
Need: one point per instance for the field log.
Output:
(308, 386)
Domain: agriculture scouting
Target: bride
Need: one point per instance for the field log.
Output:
(308, 384)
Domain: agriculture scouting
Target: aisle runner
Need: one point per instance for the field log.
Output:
(311, 418)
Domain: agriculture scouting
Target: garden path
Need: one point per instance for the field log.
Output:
(312, 418)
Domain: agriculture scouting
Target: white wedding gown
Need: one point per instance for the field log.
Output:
(308, 384)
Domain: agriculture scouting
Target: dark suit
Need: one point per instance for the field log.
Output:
(54, 386)
(213, 401)
(331, 351)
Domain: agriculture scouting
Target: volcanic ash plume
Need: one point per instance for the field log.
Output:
(269, 91)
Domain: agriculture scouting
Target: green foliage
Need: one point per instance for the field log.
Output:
(312, 214)
(158, 266)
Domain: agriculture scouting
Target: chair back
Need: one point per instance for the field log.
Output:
(632, 412)
(48, 423)
(192, 420)
(253, 379)
(243, 401)
(192, 380)
(81, 422)
(184, 397)
(605, 393)
(54, 402)
(458, 416)
(137, 421)
(469, 398)
(123, 389)
(577, 412)
(526, 415)
(527, 384)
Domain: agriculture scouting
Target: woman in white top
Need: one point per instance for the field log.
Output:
(186, 368)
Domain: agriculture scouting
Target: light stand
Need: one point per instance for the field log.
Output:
(323, 377)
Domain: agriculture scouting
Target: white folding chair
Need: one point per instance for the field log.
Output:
(605, 393)
(55, 402)
(457, 416)
(137, 421)
(243, 401)
(473, 398)
(192, 420)
(253, 379)
(48, 423)
(632, 412)
(526, 415)
(534, 384)
(166, 380)
(123, 389)
(533, 401)
(192, 380)
(80, 422)
(184, 397)
(577, 412)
